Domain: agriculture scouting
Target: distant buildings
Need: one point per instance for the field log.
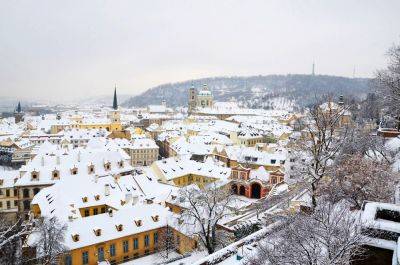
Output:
(111, 124)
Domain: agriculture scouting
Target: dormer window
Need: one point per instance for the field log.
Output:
(74, 171)
(91, 169)
(121, 163)
(85, 199)
(119, 227)
(55, 174)
(35, 175)
(155, 218)
(97, 197)
(107, 166)
(97, 231)
(75, 237)
(122, 202)
(138, 223)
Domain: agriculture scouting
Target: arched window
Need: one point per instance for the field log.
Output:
(26, 193)
(36, 191)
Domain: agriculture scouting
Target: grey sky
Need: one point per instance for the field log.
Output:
(69, 49)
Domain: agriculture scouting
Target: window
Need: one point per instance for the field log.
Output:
(7, 193)
(146, 240)
(85, 257)
(135, 243)
(1, 204)
(95, 211)
(26, 193)
(68, 260)
(87, 212)
(125, 245)
(178, 240)
(100, 254)
(15, 203)
(36, 191)
(103, 209)
(112, 250)
(27, 205)
(155, 237)
(8, 204)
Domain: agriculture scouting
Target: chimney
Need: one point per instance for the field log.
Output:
(107, 189)
(135, 199)
(128, 197)
(110, 212)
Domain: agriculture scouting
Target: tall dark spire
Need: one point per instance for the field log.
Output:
(19, 109)
(115, 102)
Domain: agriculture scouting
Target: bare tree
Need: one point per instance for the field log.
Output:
(203, 210)
(11, 237)
(388, 84)
(366, 143)
(322, 141)
(166, 243)
(357, 179)
(49, 240)
(331, 234)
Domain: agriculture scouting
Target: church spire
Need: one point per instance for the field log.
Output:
(115, 102)
(19, 109)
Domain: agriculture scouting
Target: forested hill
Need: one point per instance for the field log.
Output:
(258, 91)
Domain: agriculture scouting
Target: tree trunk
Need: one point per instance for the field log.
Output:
(313, 195)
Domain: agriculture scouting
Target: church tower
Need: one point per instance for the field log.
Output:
(205, 97)
(192, 99)
(114, 114)
(18, 114)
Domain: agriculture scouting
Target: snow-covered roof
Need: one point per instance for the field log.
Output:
(369, 216)
(64, 160)
(174, 167)
(107, 224)
(7, 178)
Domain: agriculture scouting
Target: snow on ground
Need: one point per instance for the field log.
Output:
(155, 259)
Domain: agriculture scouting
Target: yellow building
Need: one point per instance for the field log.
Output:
(8, 194)
(246, 138)
(120, 236)
(184, 172)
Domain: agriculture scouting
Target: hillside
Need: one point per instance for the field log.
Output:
(270, 91)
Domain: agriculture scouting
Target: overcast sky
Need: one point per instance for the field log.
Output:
(68, 49)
